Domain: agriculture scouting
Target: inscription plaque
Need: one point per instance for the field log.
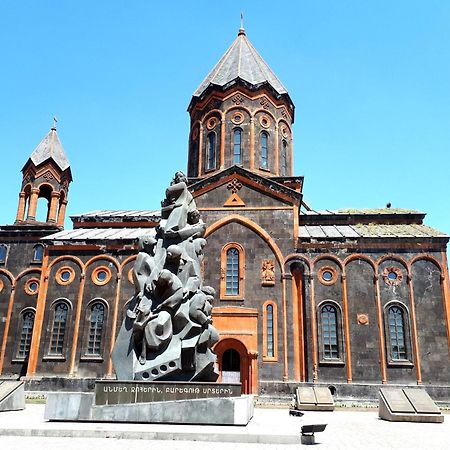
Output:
(397, 400)
(306, 395)
(421, 401)
(6, 387)
(123, 392)
(323, 395)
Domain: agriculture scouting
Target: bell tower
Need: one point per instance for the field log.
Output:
(46, 175)
(241, 114)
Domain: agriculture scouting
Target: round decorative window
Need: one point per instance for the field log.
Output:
(65, 275)
(101, 275)
(32, 286)
(392, 276)
(212, 122)
(130, 276)
(264, 121)
(327, 275)
(237, 118)
(284, 131)
(1, 285)
(195, 133)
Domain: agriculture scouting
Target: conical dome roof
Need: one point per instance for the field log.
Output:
(50, 148)
(241, 61)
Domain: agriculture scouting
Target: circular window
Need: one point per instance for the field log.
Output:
(327, 275)
(392, 276)
(101, 275)
(212, 122)
(237, 118)
(130, 276)
(195, 133)
(284, 131)
(264, 121)
(1, 285)
(32, 286)
(65, 275)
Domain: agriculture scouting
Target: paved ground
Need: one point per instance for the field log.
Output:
(347, 429)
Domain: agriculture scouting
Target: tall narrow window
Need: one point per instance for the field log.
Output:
(97, 319)
(237, 135)
(58, 328)
(269, 331)
(232, 281)
(264, 141)
(3, 251)
(397, 333)
(26, 334)
(329, 332)
(283, 158)
(232, 268)
(38, 253)
(211, 159)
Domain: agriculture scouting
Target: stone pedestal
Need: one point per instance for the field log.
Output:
(12, 395)
(140, 402)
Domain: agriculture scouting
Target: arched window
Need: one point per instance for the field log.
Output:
(96, 322)
(3, 253)
(270, 331)
(59, 324)
(397, 333)
(264, 143)
(211, 156)
(38, 254)
(237, 135)
(329, 328)
(283, 158)
(232, 272)
(26, 334)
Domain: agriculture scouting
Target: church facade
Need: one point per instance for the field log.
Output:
(347, 296)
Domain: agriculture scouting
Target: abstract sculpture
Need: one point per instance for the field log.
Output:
(167, 333)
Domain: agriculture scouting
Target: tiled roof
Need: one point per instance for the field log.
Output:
(100, 234)
(356, 211)
(50, 148)
(241, 61)
(330, 232)
(104, 214)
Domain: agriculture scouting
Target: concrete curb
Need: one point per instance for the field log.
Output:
(244, 438)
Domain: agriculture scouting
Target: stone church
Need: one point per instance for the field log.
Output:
(346, 298)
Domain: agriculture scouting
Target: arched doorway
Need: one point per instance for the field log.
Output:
(234, 363)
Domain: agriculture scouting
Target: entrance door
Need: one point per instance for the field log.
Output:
(231, 366)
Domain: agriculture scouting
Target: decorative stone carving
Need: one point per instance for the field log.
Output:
(237, 99)
(265, 103)
(363, 319)
(268, 272)
(234, 186)
(48, 176)
(392, 276)
(167, 333)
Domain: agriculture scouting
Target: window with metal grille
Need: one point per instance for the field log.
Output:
(232, 277)
(283, 158)
(329, 332)
(237, 135)
(264, 140)
(211, 160)
(38, 253)
(58, 328)
(97, 319)
(26, 334)
(397, 333)
(269, 331)
(3, 251)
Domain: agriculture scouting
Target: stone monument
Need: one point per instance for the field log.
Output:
(163, 358)
(167, 333)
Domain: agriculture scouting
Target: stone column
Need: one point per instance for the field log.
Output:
(62, 213)
(33, 204)
(21, 208)
(53, 207)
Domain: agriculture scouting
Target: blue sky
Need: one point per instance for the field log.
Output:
(370, 81)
